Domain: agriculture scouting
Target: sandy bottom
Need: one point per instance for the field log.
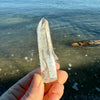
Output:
(19, 54)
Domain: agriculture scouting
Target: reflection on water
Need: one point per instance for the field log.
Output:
(19, 54)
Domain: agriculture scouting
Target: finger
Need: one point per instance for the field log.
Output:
(25, 81)
(61, 78)
(29, 76)
(55, 92)
(36, 89)
(57, 66)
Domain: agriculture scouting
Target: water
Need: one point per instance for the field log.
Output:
(69, 22)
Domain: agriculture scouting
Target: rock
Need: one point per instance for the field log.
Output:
(75, 86)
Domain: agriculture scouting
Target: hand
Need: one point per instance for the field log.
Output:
(31, 87)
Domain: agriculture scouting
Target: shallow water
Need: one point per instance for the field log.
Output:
(19, 54)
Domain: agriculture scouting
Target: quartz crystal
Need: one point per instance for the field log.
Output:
(46, 53)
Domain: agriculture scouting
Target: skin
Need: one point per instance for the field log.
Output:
(31, 87)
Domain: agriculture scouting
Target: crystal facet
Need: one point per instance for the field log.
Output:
(46, 53)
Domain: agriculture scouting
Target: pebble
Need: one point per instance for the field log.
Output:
(79, 35)
(65, 35)
(86, 55)
(12, 55)
(5, 74)
(31, 59)
(98, 89)
(75, 73)
(32, 54)
(13, 72)
(82, 86)
(17, 70)
(75, 86)
(69, 68)
(8, 33)
(26, 58)
(10, 66)
(70, 65)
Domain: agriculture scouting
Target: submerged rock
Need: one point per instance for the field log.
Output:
(87, 43)
(98, 89)
(75, 86)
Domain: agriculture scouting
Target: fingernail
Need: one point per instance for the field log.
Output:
(37, 80)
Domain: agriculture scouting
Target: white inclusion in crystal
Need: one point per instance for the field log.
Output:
(46, 54)
(75, 86)
(98, 89)
(26, 58)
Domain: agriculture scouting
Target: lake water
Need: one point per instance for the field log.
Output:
(70, 22)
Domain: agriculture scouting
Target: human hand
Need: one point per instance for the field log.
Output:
(31, 87)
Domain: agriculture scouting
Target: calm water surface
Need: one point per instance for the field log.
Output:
(69, 22)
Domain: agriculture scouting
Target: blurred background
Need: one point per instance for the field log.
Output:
(70, 21)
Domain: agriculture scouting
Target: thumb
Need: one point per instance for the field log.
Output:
(36, 89)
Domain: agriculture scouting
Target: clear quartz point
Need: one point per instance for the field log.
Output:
(46, 53)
